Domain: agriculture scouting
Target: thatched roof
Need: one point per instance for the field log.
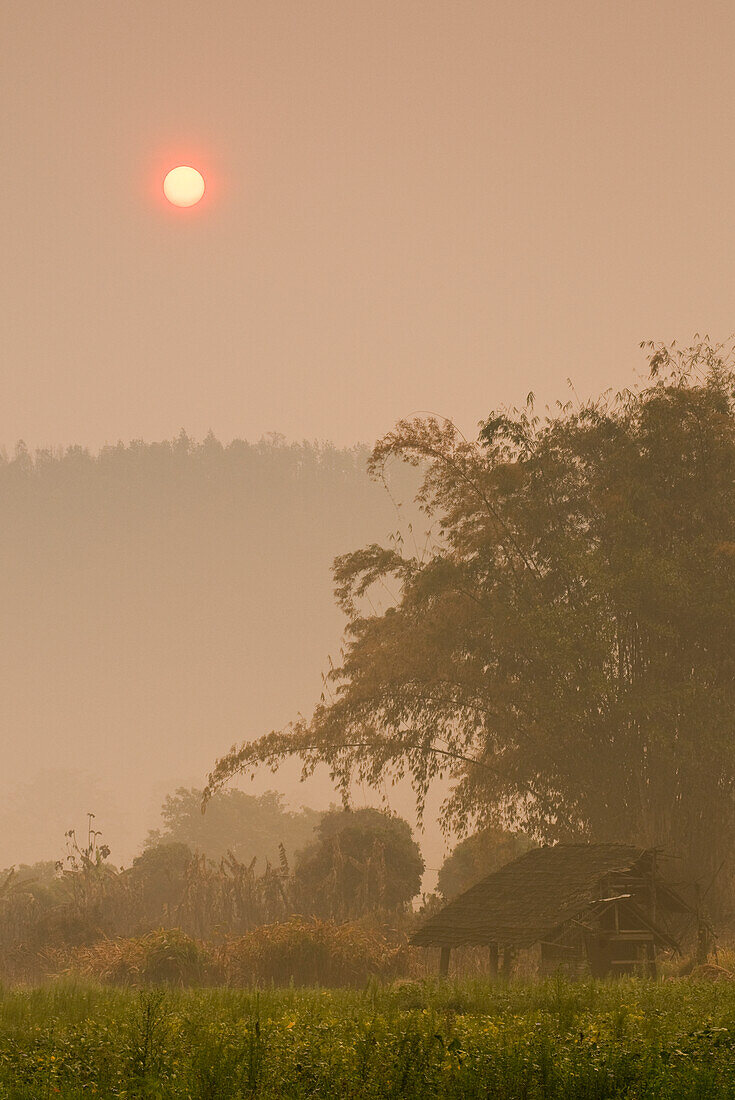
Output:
(529, 898)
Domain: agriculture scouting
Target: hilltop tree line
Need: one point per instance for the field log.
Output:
(158, 595)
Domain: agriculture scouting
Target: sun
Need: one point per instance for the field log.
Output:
(183, 186)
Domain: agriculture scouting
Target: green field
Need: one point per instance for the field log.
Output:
(464, 1040)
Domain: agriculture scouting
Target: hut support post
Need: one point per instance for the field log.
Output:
(444, 962)
(507, 961)
(493, 952)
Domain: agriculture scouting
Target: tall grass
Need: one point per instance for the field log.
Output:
(298, 952)
(587, 1041)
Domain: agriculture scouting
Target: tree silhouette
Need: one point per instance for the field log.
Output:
(564, 649)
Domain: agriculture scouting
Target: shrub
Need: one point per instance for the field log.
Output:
(311, 952)
(167, 955)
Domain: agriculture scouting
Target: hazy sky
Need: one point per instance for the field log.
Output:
(411, 206)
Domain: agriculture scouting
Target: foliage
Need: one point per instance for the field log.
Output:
(563, 648)
(87, 902)
(166, 955)
(364, 861)
(41, 873)
(243, 824)
(160, 874)
(297, 951)
(84, 899)
(477, 856)
(311, 952)
(232, 897)
(673, 1041)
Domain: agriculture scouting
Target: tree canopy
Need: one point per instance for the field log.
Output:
(562, 648)
(477, 856)
(249, 826)
(363, 861)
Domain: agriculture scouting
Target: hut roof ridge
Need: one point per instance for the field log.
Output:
(528, 898)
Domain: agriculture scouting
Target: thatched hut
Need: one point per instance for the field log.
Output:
(605, 906)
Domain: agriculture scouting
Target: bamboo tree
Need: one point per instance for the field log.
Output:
(563, 647)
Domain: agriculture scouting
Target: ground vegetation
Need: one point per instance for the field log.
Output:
(457, 1041)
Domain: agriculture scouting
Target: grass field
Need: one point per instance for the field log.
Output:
(628, 1039)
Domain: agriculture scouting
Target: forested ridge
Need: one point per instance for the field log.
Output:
(159, 598)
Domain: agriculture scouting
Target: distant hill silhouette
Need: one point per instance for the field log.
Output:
(160, 601)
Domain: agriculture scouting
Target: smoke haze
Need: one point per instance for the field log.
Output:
(166, 600)
(410, 207)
